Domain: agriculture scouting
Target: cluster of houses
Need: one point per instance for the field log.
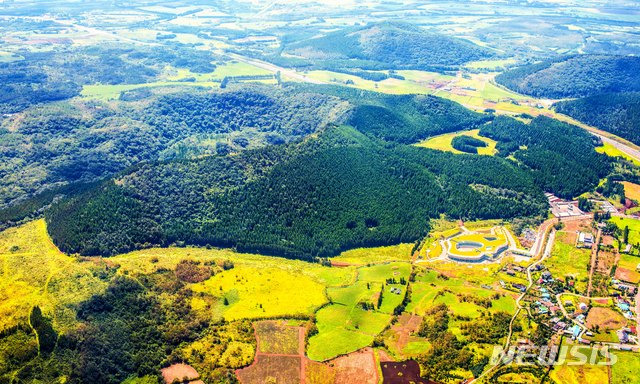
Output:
(627, 335)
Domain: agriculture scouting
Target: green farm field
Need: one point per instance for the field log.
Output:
(175, 77)
(626, 369)
(344, 326)
(567, 260)
(432, 288)
(633, 224)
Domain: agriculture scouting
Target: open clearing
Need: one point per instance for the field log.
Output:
(567, 260)
(443, 142)
(612, 151)
(628, 269)
(363, 256)
(626, 369)
(605, 318)
(35, 272)
(345, 326)
(253, 292)
(432, 288)
(176, 77)
(634, 227)
(277, 337)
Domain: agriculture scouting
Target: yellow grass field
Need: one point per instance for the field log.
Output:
(631, 190)
(35, 272)
(612, 151)
(255, 292)
(443, 142)
(362, 256)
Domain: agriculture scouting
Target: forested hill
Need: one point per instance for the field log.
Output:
(312, 198)
(337, 190)
(82, 141)
(387, 46)
(575, 76)
(615, 113)
(561, 157)
(404, 119)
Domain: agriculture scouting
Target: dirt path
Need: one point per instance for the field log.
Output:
(303, 360)
(594, 258)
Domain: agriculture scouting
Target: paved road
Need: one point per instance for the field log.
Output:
(274, 68)
(547, 253)
(622, 147)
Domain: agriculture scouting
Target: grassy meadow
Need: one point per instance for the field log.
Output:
(633, 224)
(344, 326)
(443, 142)
(176, 77)
(35, 272)
(363, 256)
(567, 260)
(610, 150)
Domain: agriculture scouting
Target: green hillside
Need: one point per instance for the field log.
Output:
(83, 141)
(560, 156)
(314, 198)
(88, 141)
(387, 46)
(575, 76)
(615, 113)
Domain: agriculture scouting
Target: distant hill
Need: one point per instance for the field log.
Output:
(615, 113)
(575, 76)
(387, 46)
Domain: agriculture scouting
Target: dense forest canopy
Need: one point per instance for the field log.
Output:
(342, 190)
(389, 45)
(615, 113)
(560, 156)
(84, 141)
(575, 76)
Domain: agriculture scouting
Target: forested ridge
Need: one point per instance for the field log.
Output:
(315, 198)
(404, 119)
(83, 141)
(560, 156)
(80, 142)
(615, 113)
(389, 45)
(575, 76)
